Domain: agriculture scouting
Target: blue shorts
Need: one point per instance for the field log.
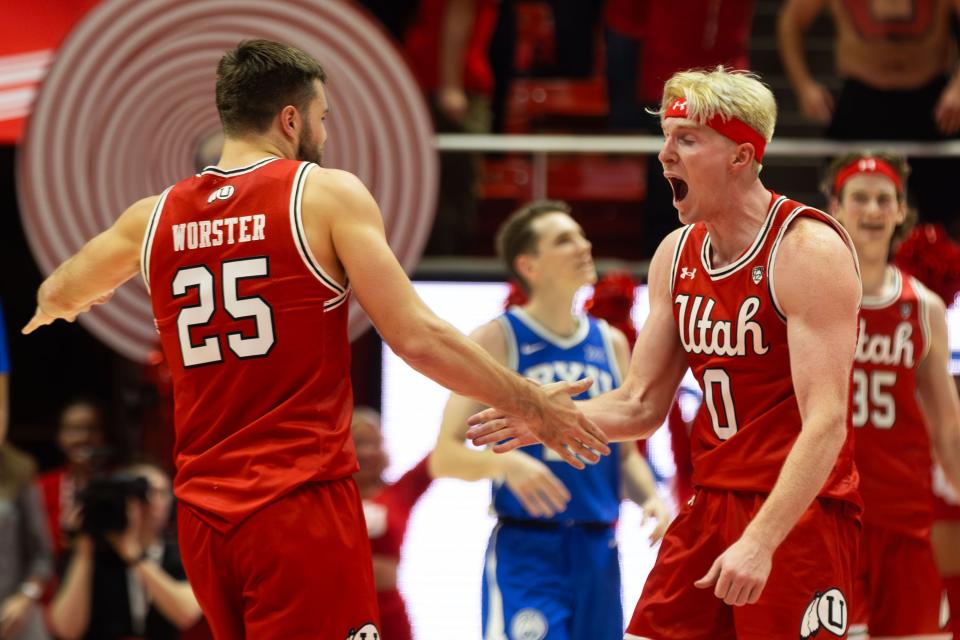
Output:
(558, 583)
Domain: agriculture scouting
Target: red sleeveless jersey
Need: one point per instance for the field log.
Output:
(735, 336)
(255, 333)
(893, 446)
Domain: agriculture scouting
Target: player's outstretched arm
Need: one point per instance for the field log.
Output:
(640, 405)
(427, 343)
(91, 275)
(540, 491)
(818, 289)
(938, 394)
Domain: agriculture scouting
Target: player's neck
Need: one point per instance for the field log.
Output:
(553, 309)
(735, 225)
(242, 152)
(875, 276)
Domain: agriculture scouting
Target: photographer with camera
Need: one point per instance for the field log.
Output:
(124, 579)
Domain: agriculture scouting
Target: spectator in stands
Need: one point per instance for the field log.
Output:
(387, 508)
(446, 45)
(897, 62)
(125, 582)
(26, 562)
(81, 438)
(625, 28)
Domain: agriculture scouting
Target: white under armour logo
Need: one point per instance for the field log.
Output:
(687, 273)
(867, 164)
(680, 105)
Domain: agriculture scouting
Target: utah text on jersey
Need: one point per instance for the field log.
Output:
(883, 348)
(700, 333)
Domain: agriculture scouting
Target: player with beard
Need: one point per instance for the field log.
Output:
(904, 401)
(248, 265)
(758, 295)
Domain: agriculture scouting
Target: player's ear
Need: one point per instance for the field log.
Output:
(290, 121)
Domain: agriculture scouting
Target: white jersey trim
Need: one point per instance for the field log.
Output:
(888, 297)
(513, 358)
(496, 623)
(758, 242)
(607, 334)
(772, 259)
(924, 309)
(677, 252)
(239, 171)
(300, 237)
(147, 247)
(583, 329)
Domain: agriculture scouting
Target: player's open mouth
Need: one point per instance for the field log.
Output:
(679, 188)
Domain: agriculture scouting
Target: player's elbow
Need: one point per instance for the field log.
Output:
(438, 465)
(420, 343)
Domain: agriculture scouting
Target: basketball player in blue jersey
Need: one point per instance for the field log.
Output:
(552, 568)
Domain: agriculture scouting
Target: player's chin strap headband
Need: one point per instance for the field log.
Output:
(733, 128)
(866, 165)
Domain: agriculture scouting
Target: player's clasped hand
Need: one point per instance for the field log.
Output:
(740, 573)
(559, 426)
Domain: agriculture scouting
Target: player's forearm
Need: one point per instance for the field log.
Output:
(803, 475)
(624, 414)
(173, 598)
(449, 358)
(638, 481)
(946, 446)
(455, 460)
(93, 272)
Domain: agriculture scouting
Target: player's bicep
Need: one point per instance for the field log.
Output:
(658, 361)
(818, 289)
(112, 257)
(376, 277)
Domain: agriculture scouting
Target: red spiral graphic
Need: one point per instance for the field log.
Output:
(130, 96)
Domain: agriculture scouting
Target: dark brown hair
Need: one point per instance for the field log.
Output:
(259, 78)
(516, 237)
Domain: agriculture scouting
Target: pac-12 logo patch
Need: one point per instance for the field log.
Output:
(528, 624)
(757, 274)
(826, 611)
(368, 631)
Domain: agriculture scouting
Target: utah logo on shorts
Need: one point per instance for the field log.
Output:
(368, 631)
(826, 611)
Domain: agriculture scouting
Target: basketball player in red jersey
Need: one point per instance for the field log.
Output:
(758, 295)
(903, 401)
(248, 265)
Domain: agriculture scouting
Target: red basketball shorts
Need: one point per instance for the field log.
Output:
(299, 568)
(806, 596)
(897, 591)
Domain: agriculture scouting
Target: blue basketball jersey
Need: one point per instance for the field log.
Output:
(537, 353)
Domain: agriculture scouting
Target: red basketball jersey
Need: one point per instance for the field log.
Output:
(735, 336)
(255, 333)
(893, 446)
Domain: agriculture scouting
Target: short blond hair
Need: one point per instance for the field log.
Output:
(728, 93)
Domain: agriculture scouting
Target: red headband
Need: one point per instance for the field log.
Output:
(866, 165)
(735, 129)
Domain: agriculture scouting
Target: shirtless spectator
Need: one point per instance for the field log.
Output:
(897, 60)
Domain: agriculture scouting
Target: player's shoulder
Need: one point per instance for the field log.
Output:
(815, 234)
(492, 337)
(926, 295)
(335, 189)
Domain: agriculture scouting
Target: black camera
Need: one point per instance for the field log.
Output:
(104, 503)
